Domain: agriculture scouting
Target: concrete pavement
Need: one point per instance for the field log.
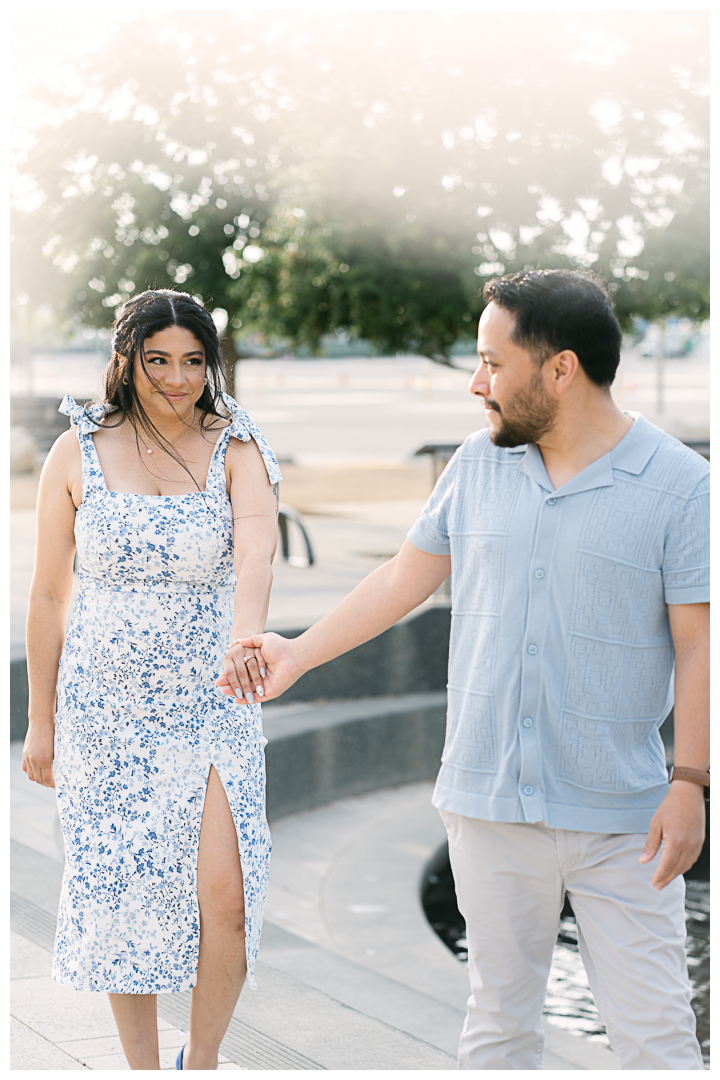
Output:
(351, 976)
(320, 411)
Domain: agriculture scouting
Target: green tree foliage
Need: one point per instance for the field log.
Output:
(672, 274)
(369, 171)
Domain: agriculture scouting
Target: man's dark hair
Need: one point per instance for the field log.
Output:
(562, 309)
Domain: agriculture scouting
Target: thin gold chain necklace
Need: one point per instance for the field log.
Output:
(151, 449)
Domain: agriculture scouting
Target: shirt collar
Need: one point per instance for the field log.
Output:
(532, 464)
(637, 446)
(631, 455)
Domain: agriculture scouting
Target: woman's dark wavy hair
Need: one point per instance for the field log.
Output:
(562, 309)
(140, 318)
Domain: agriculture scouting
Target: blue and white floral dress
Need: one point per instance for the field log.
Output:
(139, 723)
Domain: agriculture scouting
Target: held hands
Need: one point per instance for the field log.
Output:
(679, 824)
(270, 670)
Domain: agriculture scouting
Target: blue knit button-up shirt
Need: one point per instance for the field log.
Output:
(561, 658)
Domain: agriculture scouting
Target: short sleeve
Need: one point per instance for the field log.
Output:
(686, 563)
(430, 531)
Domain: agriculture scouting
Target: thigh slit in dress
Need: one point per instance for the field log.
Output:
(139, 722)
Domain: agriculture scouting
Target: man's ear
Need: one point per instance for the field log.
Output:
(564, 367)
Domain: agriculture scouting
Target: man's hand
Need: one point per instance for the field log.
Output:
(679, 824)
(281, 667)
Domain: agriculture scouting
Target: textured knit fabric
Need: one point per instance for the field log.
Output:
(139, 723)
(561, 657)
(510, 882)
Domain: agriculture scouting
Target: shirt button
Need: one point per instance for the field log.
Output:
(551, 502)
(539, 574)
(532, 649)
(528, 790)
(527, 721)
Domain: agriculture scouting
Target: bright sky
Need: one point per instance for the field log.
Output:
(43, 39)
(42, 43)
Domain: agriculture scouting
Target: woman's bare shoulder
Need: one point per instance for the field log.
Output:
(65, 449)
(239, 450)
(62, 471)
(244, 463)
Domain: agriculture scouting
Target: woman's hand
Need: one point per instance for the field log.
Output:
(243, 673)
(273, 668)
(38, 753)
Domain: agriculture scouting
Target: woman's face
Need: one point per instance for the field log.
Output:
(175, 376)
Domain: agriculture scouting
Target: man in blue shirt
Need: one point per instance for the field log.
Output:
(577, 536)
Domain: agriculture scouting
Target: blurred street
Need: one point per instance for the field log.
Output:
(316, 411)
(323, 411)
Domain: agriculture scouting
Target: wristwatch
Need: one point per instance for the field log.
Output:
(695, 776)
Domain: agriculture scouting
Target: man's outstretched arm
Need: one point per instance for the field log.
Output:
(374, 605)
(679, 821)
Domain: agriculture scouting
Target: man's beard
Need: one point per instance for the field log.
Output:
(528, 417)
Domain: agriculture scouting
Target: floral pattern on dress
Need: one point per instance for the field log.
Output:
(139, 723)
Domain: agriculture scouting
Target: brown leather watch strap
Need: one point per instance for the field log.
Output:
(695, 776)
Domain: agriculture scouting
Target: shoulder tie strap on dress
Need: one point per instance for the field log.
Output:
(86, 418)
(245, 429)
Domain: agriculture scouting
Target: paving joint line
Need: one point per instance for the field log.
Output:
(243, 1044)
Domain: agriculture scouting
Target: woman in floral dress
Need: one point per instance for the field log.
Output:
(168, 492)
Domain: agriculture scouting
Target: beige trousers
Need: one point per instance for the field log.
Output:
(510, 881)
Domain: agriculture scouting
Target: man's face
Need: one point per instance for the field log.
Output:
(518, 405)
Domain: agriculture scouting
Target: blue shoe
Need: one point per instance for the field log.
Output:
(178, 1063)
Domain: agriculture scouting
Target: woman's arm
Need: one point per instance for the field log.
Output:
(50, 591)
(255, 507)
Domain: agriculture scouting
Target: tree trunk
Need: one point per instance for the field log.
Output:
(230, 357)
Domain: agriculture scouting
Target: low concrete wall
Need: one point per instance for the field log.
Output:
(18, 698)
(409, 657)
(321, 752)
